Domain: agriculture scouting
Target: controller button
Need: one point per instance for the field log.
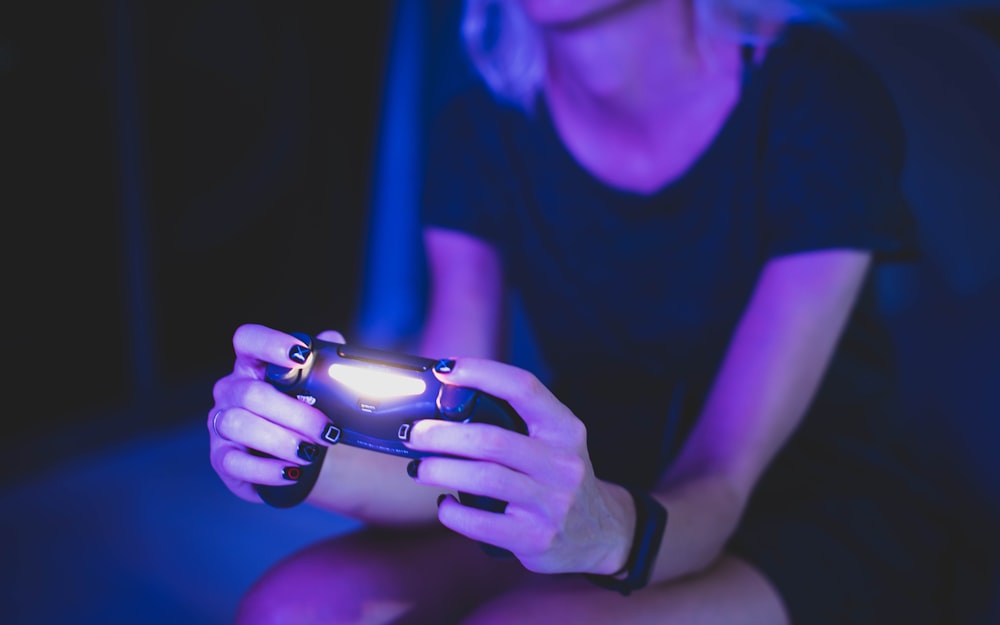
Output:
(404, 432)
(331, 434)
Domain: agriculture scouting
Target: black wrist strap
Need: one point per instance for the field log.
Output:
(650, 522)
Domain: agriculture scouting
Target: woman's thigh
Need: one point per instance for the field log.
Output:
(731, 592)
(376, 576)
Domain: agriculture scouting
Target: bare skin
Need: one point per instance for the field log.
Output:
(413, 578)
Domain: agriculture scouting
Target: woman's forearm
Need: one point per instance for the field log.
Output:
(373, 488)
(703, 513)
(774, 365)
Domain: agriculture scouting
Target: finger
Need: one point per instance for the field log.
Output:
(271, 404)
(520, 388)
(481, 441)
(518, 533)
(331, 336)
(237, 464)
(243, 490)
(255, 344)
(250, 430)
(486, 479)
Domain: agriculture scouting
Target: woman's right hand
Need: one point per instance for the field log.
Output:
(250, 415)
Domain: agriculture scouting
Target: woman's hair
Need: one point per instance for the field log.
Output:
(506, 47)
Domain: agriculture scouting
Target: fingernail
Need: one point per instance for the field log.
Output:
(440, 499)
(307, 451)
(412, 467)
(299, 354)
(331, 434)
(445, 365)
(291, 474)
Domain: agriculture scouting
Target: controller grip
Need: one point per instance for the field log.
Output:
(468, 405)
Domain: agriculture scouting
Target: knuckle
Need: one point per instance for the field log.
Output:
(221, 387)
(492, 441)
(526, 386)
(542, 538)
(229, 462)
(488, 474)
(233, 425)
(574, 469)
(217, 388)
(241, 335)
(532, 385)
(577, 432)
(253, 392)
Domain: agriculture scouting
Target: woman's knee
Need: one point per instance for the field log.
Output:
(732, 593)
(375, 576)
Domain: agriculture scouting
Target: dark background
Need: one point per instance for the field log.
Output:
(171, 170)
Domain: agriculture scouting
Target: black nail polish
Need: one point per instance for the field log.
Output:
(412, 467)
(331, 434)
(307, 451)
(291, 474)
(446, 365)
(441, 498)
(299, 354)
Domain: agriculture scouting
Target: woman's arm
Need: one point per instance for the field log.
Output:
(771, 371)
(560, 518)
(466, 296)
(463, 318)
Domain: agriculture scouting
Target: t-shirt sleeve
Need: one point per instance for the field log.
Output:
(834, 157)
(466, 177)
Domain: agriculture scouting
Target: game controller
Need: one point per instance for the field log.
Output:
(372, 398)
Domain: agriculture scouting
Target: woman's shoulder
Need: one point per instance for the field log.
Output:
(813, 74)
(821, 56)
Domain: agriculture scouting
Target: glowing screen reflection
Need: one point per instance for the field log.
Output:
(375, 384)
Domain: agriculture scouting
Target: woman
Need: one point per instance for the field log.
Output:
(691, 218)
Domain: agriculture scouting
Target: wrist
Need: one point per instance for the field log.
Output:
(650, 521)
(621, 531)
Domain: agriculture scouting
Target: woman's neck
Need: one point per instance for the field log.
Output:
(626, 61)
(636, 96)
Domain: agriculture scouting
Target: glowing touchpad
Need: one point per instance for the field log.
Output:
(374, 384)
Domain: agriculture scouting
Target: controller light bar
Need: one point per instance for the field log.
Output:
(374, 384)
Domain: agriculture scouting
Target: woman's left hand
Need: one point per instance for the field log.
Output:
(559, 518)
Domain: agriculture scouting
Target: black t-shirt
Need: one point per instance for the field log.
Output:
(633, 297)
